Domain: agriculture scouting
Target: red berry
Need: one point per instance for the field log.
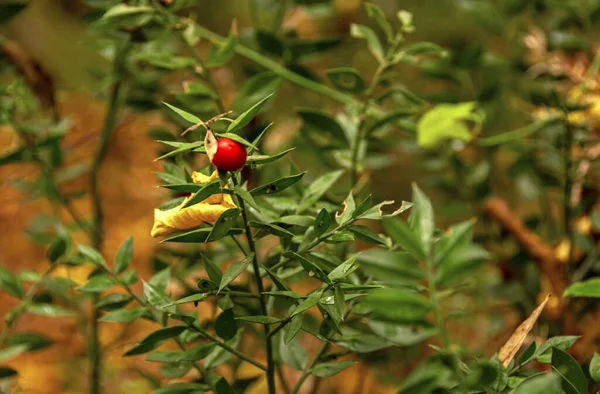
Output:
(230, 155)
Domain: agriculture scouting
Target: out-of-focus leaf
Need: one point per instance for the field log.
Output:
(325, 370)
(347, 79)
(446, 121)
(220, 54)
(124, 256)
(277, 185)
(317, 188)
(225, 324)
(293, 354)
(399, 306)
(373, 43)
(182, 388)
(321, 122)
(245, 118)
(573, 378)
(10, 283)
(595, 367)
(233, 271)
(586, 288)
(123, 315)
(398, 268)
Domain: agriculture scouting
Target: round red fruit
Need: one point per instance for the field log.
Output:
(230, 155)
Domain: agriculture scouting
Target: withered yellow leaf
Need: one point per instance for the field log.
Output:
(512, 346)
(206, 211)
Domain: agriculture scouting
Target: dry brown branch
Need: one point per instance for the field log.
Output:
(36, 77)
(499, 210)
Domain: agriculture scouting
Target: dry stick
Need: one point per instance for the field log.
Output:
(498, 209)
(261, 290)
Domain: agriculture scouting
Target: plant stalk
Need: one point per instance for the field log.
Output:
(261, 290)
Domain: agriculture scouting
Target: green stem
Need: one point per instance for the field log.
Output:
(437, 310)
(568, 187)
(277, 68)
(261, 290)
(119, 69)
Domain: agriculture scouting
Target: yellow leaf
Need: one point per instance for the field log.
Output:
(512, 346)
(179, 218)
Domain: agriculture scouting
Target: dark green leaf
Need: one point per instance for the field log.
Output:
(263, 159)
(97, 284)
(562, 342)
(157, 297)
(346, 78)
(199, 235)
(404, 236)
(308, 303)
(31, 340)
(56, 250)
(184, 114)
(223, 224)
(113, 301)
(398, 306)
(312, 268)
(233, 271)
(540, 384)
(225, 324)
(6, 372)
(343, 270)
(365, 234)
(292, 329)
(317, 188)
(213, 271)
(236, 138)
(296, 220)
(223, 387)
(10, 284)
(574, 381)
(277, 185)
(92, 255)
(293, 354)
(595, 367)
(245, 118)
(460, 262)
(191, 298)
(123, 315)
(182, 388)
(246, 196)
(207, 190)
(10, 9)
(321, 122)
(220, 54)
(325, 370)
(124, 256)
(322, 222)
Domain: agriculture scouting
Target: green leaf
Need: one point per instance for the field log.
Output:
(377, 13)
(124, 9)
(595, 367)
(160, 280)
(261, 319)
(97, 284)
(311, 268)
(113, 301)
(31, 340)
(540, 384)
(184, 114)
(49, 310)
(223, 387)
(278, 282)
(56, 250)
(233, 271)
(272, 229)
(245, 118)
(293, 354)
(376, 212)
(397, 268)
(343, 270)
(348, 210)
(207, 190)
(296, 220)
(123, 315)
(10, 9)
(199, 235)
(237, 138)
(562, 342)
(246, 196)
(182, 147)
(92, 255)
(291, 330)
(12, 351)
(220, 54)
(124, 256)
(225, 324)
(339, 301)
(263, 159)
(404, 236)
(456, 236)
(213, 271)
(322, 223)
(308, 303)
(155, 339)
(317, 188)
(10, 284)
(219, 355)
(424, 48)
(199, 90)
(573, 378)
(277, 185)
(321, 123)
(373, 43)
(157, 297)
(365, 234)
(254, 89)
(182, 388)
(422, 217)
(459, 263)
(398, 306)
(447, 121)
(586, 288)
(223, 224)
(6, 372)
(191, 298)
(325, 370)
(346, 78)
(284, 294)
